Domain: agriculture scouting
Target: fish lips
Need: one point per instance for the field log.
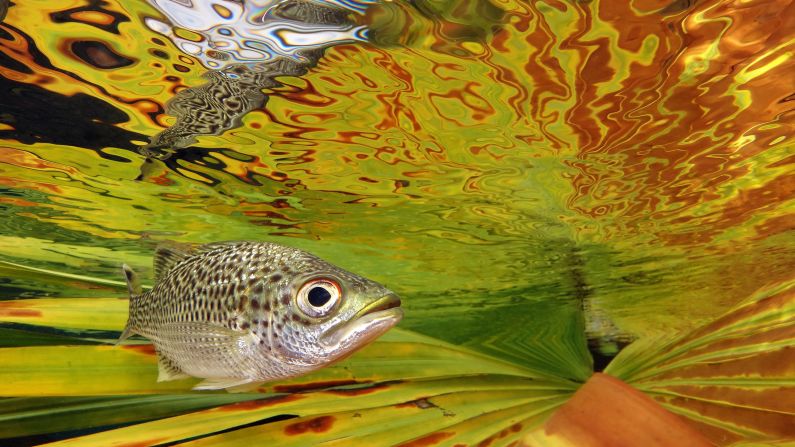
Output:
(368, 324)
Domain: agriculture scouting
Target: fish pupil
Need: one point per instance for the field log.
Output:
(318, 296)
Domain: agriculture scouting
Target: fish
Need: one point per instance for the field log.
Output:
(237, 314)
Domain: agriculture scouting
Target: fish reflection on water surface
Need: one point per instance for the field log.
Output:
(239, 313)
(246, 46)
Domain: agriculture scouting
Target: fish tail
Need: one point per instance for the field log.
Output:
(135, 290)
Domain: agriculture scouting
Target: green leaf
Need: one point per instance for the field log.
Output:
(734, 378)
(85, 370)
(25, 416)
(82, 314)
(413, 407)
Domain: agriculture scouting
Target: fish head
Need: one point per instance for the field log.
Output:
(330, 313)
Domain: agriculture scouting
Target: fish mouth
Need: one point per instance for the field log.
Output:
(386, 302)
(366, 325)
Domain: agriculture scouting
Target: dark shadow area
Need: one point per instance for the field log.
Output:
(38, 115)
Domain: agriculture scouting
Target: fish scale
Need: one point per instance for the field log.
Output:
(238, 313)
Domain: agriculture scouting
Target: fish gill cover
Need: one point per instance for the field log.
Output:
(521, 173)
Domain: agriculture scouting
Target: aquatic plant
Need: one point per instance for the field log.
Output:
(732, 379)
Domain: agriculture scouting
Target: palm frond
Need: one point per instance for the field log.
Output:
(733, 378)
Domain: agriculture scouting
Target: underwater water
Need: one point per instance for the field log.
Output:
(525, 174)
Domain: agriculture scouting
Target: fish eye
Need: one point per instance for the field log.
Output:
(318, 297)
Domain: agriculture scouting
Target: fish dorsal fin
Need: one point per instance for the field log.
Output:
(168, 255)
(133, 283)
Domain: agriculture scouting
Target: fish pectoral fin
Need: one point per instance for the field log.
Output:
(210, 347)
(231, 384)
(167, 369)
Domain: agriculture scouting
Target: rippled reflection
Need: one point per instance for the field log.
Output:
(246, 45)
(493, 161)
(3, 8)
(224, 33)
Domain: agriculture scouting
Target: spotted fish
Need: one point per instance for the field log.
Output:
(241, 313)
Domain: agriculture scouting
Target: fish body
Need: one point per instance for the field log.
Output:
(238, 313)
